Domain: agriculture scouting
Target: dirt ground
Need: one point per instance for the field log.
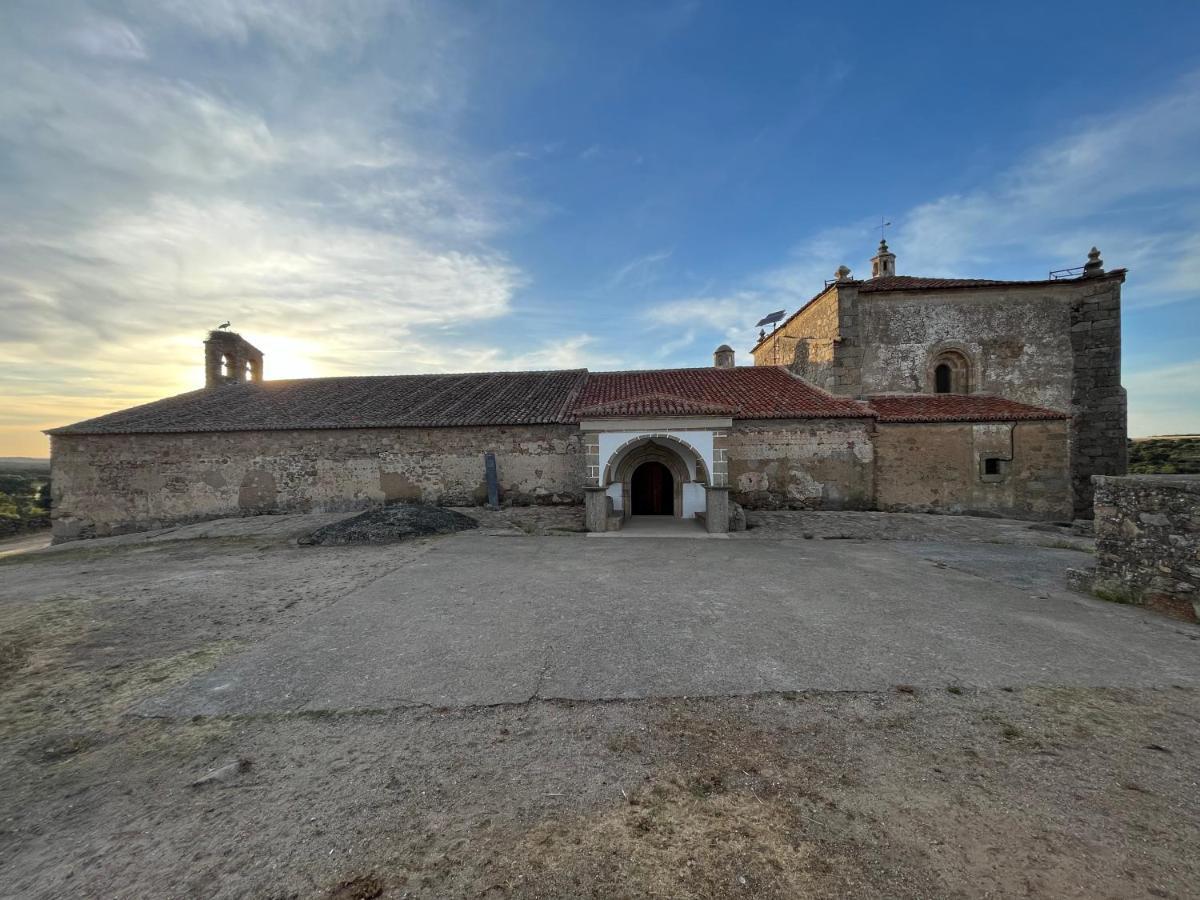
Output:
(906, 792)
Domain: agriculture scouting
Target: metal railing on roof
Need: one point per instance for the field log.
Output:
(1060, 274)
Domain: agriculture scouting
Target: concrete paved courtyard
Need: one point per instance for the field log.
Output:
(827, 705)
(489, 620)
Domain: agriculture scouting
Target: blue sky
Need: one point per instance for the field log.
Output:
(388, 187)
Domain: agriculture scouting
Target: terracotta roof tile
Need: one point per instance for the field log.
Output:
(956, 408)
(919, 283)
(381, 401)
(656, 405)
(742, 392)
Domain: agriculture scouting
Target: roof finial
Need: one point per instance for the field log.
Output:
(1094, 265)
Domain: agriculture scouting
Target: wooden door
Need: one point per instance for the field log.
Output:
(652, 490)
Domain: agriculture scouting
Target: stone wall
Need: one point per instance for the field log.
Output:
(810, 464)
(1017, 341)
(1148, 542)
(1099, 430)
(941, 468)
(107, 484)
(805, 342)
(1055, 344)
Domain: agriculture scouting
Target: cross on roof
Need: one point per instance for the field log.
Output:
(882, 225)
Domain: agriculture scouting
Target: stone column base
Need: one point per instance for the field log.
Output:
(716, 514)
(597, 506)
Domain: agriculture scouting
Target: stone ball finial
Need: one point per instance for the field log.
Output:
(1094, 265)
(843, 273)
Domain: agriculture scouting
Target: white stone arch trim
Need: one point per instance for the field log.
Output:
(698, 470)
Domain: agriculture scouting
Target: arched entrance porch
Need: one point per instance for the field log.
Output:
(656, 476)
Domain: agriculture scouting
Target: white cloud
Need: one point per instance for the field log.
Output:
(108, 38)
(325, 210)
(298, 26)
(1092, 186)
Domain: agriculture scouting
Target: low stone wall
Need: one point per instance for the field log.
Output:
(801, 464)
(109, 484)
(1148, 542)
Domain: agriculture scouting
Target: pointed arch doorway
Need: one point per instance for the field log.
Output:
(652, 490)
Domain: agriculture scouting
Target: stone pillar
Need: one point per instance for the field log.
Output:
(591, 449)
(1098, 407)
(596, 503)
(716, 514)
(719, 476)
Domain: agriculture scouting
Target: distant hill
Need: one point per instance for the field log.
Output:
(25, 464)
(1168, 454)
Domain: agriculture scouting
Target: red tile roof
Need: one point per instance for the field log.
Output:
(380, 401)
(533, 398)
(955, 408)
(655, 405)
(742, 392)
(919, 283)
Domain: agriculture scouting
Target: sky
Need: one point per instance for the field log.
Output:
(385, 187)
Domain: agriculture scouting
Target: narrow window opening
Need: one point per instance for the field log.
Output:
(991, 466)
(943, 378)
(224, 366)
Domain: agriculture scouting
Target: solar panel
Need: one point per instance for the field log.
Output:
(769, 319)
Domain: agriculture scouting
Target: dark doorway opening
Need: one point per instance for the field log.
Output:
(652, 490)
(943, 379)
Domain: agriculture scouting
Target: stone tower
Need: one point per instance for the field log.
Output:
(231, 359)
(883, 263)
(723, 357)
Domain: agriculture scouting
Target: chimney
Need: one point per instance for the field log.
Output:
(230, 359)
(723, 357)
(883, 263)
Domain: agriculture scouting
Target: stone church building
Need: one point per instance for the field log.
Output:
(891, 393)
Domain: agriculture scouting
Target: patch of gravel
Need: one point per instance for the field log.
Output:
(387, 524)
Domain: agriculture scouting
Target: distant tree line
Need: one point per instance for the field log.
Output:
(1165, 456)
(24, 502)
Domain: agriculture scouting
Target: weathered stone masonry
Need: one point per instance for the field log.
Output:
(1055, 344)
(1148, 542)
(941, 467)
(810, 464)
(1098, 405)
(113, 483)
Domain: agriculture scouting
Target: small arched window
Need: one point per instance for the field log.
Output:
(950, 373)
(225, 367)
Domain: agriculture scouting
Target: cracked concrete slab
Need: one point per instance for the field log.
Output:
(503, 620)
